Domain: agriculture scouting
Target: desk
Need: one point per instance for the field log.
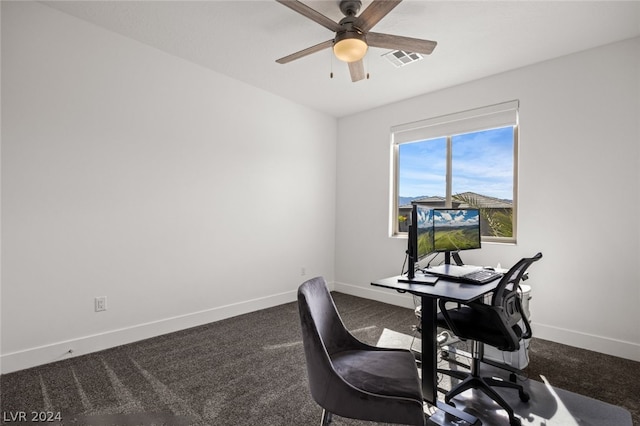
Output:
(443, 289)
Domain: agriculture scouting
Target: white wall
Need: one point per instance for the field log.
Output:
(182, 195)
(579, 193)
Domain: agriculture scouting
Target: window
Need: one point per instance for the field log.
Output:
(467, 159)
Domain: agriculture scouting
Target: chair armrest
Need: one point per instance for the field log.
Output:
(527, 326)
(445, 314)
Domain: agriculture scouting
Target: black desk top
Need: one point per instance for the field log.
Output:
(445, 289)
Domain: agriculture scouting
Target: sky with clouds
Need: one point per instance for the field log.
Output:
(482, 162)
(444, 218)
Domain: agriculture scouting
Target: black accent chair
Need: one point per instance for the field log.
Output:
(497, 324)
(350, 378)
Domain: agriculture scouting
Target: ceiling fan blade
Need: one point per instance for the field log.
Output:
(308, 51)
(408, 44)
(310, 13)
(377, 10)
(356, 69)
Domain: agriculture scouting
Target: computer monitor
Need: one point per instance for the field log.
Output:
(456, 229)
(420, 242)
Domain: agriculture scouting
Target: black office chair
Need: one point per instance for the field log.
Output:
(350, 378)
(497, 324)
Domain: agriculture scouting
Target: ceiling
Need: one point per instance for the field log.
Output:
(242, 39)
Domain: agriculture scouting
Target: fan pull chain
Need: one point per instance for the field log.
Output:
(366, 59)
(331, 62)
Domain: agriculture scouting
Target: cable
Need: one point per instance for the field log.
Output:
(432, 259)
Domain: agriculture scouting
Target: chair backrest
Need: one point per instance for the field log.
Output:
(506, 296)
(314, 297)
(323, 333)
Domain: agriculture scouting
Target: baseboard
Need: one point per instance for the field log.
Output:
(33, 357)
(605, 345)
(376, 293)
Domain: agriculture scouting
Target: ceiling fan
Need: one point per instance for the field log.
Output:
(353, 37)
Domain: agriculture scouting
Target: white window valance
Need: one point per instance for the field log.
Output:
(489, 117)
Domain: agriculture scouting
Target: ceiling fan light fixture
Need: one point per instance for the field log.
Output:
(350, 42)
(350, 46)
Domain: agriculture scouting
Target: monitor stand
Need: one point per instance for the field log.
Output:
(456, 258)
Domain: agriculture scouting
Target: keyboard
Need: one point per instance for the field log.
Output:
(481, 276)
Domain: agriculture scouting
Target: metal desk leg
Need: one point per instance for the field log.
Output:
(430, 361)
(429, 350)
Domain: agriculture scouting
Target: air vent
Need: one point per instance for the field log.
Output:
(400, 58)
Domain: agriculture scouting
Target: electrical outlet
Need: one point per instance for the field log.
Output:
(101, 303)
(303, 271)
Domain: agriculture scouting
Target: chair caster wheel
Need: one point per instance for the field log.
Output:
(524, 397)
(515, 422)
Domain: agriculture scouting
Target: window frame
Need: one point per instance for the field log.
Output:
(485, 118)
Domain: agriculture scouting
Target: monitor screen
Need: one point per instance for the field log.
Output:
(424, 231)
(456, 229)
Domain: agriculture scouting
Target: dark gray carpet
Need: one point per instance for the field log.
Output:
(603, 377)
(250, 370)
